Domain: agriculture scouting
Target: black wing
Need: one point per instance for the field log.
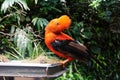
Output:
(71, 48)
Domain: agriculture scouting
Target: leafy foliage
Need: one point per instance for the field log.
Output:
(9, 4)
(95, 23)
(22, 42)
(40, 23)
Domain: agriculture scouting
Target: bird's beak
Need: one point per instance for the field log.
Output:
(66, 29)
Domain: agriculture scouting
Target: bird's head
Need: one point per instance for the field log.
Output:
(59, 24)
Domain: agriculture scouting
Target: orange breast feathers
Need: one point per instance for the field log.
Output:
(51, 37)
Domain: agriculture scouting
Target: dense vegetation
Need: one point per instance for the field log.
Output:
(95, 23)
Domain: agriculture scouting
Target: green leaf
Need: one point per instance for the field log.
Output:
(22, 41)
(40, 23)
(36, 1)
(12, 29)
(2, 27)
(9, 3)
(118, 55)
(23, 4)
(95, 3)
(34, 21)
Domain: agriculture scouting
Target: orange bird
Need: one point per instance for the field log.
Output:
(62, 44)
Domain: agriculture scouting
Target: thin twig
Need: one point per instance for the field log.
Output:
(6, 34)
(8, 15)
(34, 33)
(37, 36)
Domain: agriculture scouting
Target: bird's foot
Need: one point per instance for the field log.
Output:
(63, 63)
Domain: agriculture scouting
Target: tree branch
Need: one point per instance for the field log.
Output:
(6, 34)
(8, 15)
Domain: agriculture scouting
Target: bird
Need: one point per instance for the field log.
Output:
(62, 44)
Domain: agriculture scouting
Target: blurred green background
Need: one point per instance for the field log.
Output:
(95, 23)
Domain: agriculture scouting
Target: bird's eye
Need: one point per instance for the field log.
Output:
(57, 23)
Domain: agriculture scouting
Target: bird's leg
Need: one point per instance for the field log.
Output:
(65, 62)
